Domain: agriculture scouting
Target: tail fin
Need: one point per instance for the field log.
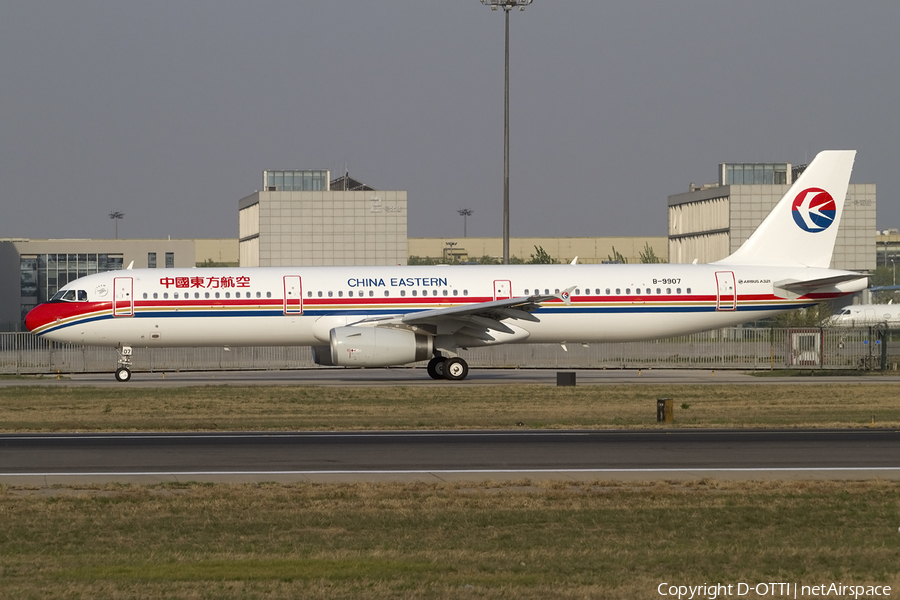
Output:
(802, 228)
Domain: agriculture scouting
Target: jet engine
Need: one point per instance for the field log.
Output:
(373, 347)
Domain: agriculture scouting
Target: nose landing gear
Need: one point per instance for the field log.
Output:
(123, 370)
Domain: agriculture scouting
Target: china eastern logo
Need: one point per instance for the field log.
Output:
(814, 210)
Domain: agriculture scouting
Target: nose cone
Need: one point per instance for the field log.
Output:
(40, 316)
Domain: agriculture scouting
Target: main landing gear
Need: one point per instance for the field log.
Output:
(123, 372)
(441, 367)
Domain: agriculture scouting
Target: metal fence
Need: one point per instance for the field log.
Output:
(733, 348)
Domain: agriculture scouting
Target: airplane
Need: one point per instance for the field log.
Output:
(861, 315)
(386, 316)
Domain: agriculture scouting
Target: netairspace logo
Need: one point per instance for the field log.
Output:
(771, 590)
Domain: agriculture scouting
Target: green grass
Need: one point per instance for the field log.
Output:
(61, 408)
(517, 540)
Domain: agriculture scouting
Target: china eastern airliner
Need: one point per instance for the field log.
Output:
(384, 316)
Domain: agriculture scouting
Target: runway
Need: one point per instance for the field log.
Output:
(51, 459)
(415, 377)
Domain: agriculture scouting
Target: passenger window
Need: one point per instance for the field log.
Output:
(196, 294)
(678, 290)
(688, 290)
(268, 294)
(175, 295)
(668, 290)
(607, 291)
(155, 295)
(456, 292)
(145, 295)
(465, 292)
(445, 293)
(228, 294)
(340, 294)
(206, 295)
(618, 290)
(320, 294)
(402, 292)
(330, 294)
(217, 294)
(371, 293)
(526, 291)
(415, 293)
(577, 291)
(387, 293)
(434, 292)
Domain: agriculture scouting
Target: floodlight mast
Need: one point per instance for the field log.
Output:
(506, 5)
(116, 216)
(465, 213)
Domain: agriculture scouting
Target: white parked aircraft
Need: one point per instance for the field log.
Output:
(857, 315)
(382, 316)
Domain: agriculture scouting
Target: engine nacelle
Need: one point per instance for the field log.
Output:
(373, 347)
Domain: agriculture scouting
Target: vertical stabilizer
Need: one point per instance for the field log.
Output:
(802, 228)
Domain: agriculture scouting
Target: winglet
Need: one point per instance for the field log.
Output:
(566, 295)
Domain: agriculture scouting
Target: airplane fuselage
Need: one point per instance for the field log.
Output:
(300, 306)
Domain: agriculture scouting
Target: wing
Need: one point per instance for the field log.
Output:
(473, 320)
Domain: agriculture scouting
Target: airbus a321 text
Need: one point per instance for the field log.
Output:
(383, 316)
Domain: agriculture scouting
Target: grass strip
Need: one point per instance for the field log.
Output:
(521, 540)
(252, 408)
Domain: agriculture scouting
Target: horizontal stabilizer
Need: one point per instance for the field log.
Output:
(794, 288)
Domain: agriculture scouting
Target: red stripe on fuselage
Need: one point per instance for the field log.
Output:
(50, 312)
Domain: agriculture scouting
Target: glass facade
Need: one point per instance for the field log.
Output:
(756, 174)
(295, 181)
(41, 275)
(151, 260)
(170, 260)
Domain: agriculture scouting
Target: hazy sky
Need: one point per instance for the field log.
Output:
(170, 111)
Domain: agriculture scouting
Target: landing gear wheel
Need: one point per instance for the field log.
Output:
(436, 367)
(456, 369)
(123, 374)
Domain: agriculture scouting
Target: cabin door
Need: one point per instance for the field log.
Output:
(293, 295)
(726, 294)
(123, 296)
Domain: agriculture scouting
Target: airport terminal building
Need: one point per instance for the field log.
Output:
(303, 218)
(36, 269)
(711, 221)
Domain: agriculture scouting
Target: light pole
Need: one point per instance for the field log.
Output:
(116, 216)
(506, 5)
(464, 213)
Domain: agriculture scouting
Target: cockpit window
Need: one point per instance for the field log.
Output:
(69, 296)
